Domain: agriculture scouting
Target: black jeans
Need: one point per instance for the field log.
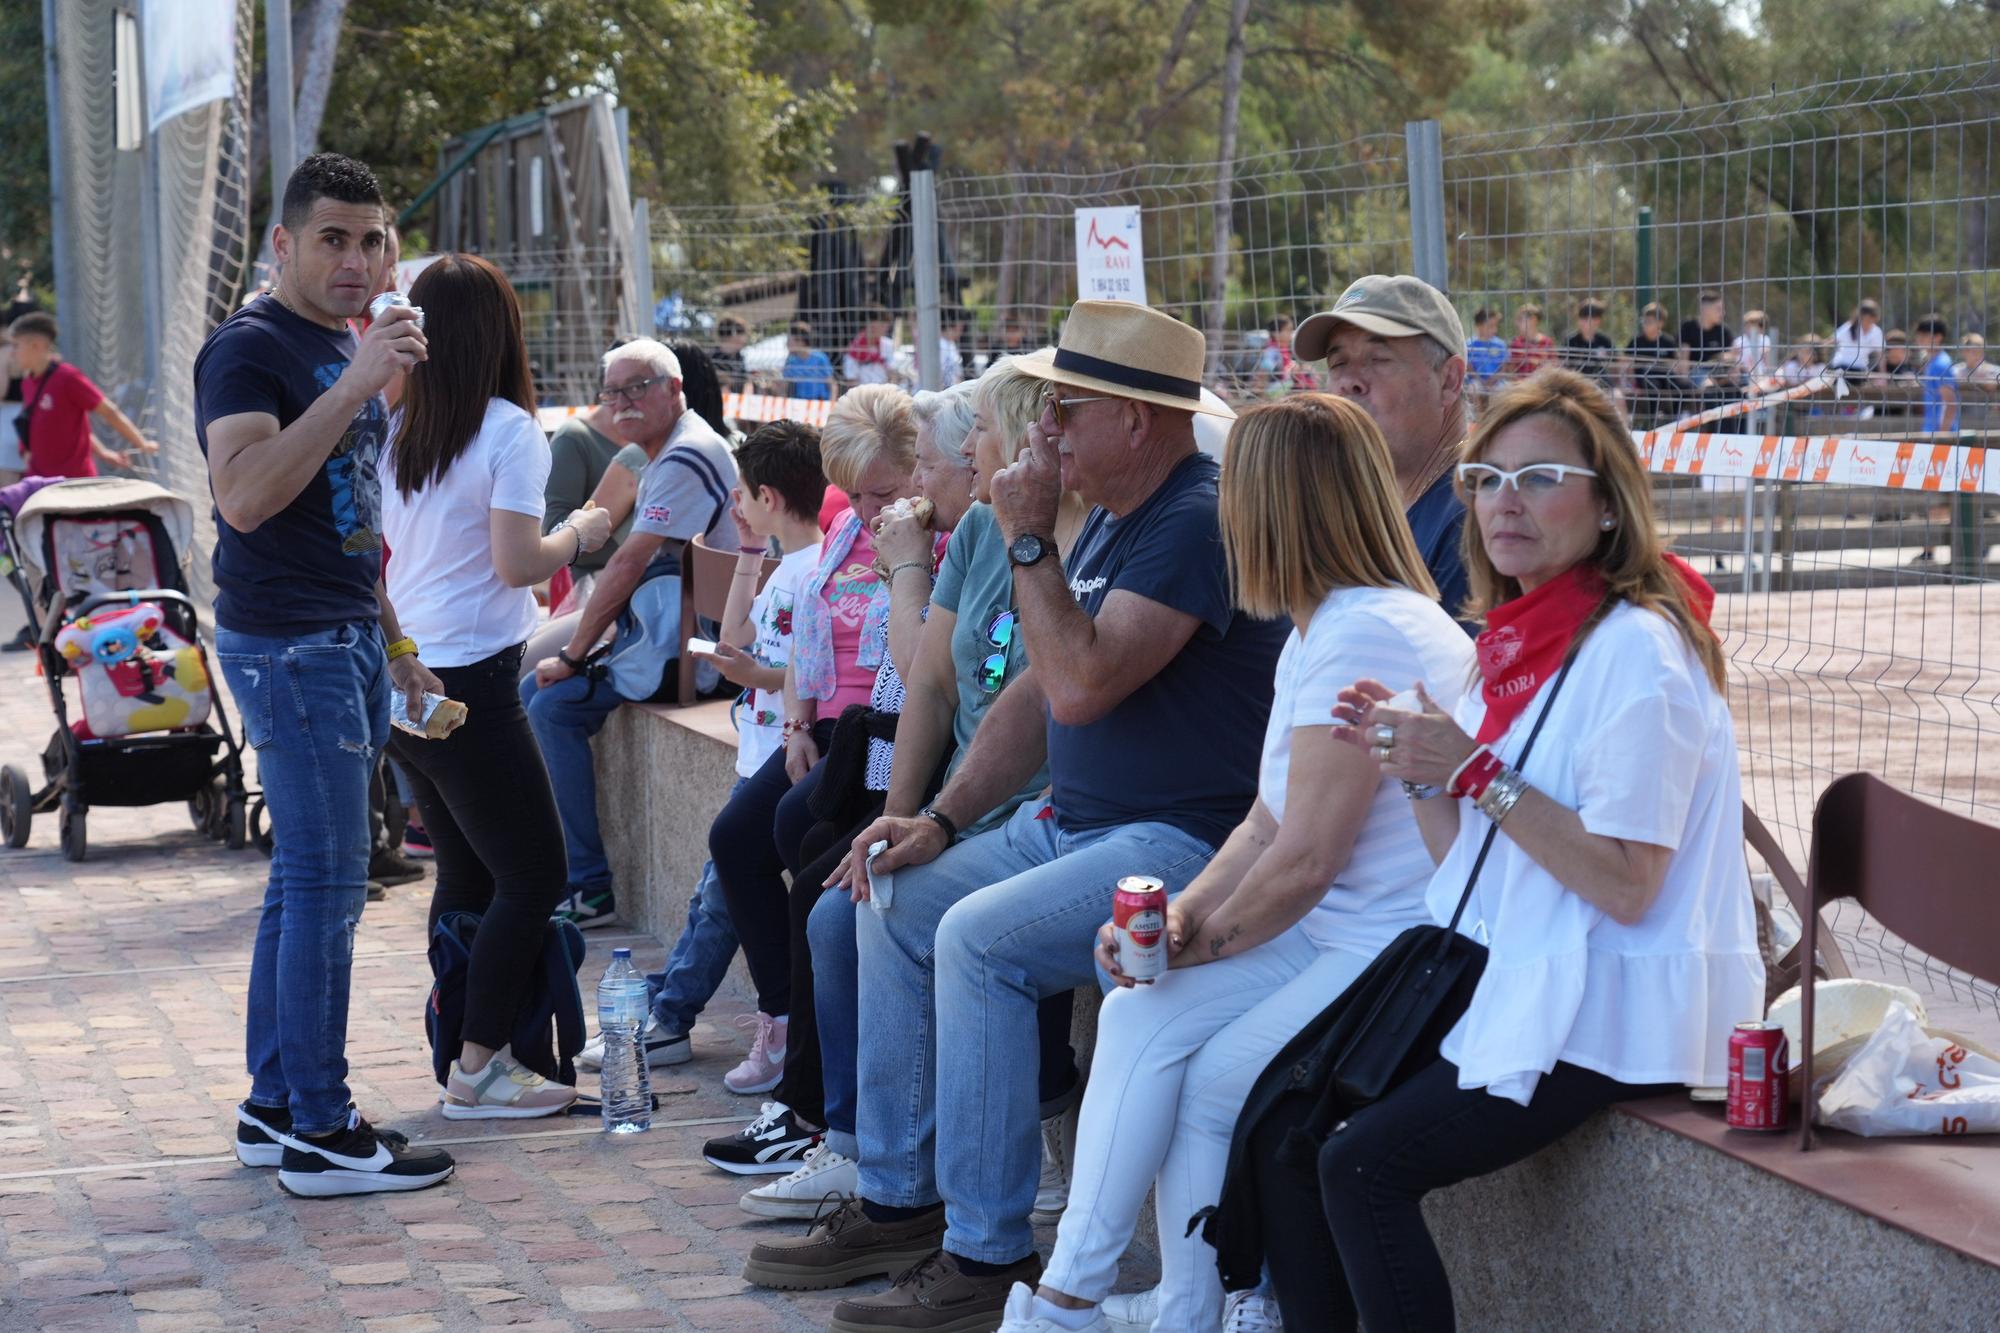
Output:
(485, 799)
(1349, 1240)
(767, 812)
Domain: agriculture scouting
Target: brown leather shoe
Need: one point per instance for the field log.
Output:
(844, 1246)
(937, 1297)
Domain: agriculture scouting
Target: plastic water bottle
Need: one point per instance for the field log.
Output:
(622, 1003)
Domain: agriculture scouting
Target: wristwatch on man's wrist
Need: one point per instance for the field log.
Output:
(574, 664)
(1028, 549)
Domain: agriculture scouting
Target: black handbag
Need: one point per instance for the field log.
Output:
(1406, 1001)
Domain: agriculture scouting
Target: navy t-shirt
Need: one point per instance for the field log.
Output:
(1183, 748)
(1436, 520)
(312, 565)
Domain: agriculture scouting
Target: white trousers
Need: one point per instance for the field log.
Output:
(1173, 1065)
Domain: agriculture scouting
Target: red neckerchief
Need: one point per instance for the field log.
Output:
(866, 351)
(1525, 640)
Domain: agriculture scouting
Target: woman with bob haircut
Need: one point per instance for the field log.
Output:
(1614, 901)
(463, 481)
(840, 639)
(1326, 869)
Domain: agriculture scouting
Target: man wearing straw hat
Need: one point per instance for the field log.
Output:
(1148, 694)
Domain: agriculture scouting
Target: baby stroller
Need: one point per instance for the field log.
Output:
(99, 565)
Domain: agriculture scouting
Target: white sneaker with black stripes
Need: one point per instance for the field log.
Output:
(771, 1145)
(359, 1159)
(804, 1193)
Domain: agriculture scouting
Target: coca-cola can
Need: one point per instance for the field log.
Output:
(1139, 916)
(382, 304)
(1758, 1063)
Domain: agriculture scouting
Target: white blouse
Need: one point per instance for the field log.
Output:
(1642, 747)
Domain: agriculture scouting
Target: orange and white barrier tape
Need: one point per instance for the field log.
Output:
(1905, 465)
(1767, 392)
(751, 406)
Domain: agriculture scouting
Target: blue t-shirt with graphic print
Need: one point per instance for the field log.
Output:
(312, 565)
(1184, 747)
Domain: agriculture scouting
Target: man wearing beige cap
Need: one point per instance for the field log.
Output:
(1148, 695)
(1395, 348)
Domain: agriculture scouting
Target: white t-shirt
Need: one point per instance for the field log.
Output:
(1399, 638)
(761, 726)
(448, 596)
(1855, 348)
(1641, 746)
(1986, 372)
(1753, 355)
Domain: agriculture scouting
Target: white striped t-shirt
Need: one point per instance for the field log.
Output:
(1399, 638)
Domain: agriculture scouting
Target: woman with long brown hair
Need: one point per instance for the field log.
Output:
(1603, 872)
(462, 493)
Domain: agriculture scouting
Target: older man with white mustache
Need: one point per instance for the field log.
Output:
(684, 493)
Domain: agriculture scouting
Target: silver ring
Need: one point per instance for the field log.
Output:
(1383, 735)
(1381, 753)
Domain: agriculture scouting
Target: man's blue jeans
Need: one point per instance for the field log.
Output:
(324, 699)
(564, 717)
(952, 976)
(700, 957)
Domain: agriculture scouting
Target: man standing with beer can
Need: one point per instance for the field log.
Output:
(289, 411)
(1148, 693)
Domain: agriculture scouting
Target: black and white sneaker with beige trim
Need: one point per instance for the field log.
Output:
(771, 1145)
(359, 1159)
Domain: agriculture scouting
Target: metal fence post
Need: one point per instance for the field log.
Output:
(68, 298)
(1425, 160)
(924, 273)
(278, 95)
(1642, 258)
(642, 263)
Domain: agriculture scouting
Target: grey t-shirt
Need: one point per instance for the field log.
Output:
(578, 456)
(684, 492)
(976, 584)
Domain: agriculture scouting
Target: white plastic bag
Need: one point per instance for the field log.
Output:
(1905, 1081)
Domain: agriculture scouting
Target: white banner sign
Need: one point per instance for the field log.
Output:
(190, 55)
(1110, 255)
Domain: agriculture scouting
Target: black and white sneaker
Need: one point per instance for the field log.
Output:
(359, 1160)
(771, 1145)
(257, 1133)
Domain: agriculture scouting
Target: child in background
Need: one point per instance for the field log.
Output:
(777, 499)
(1588, 351)
(1485, 353)
(1896, 362)
(808, 373)
(1752, 352)
(871, 353)
(1531, 349)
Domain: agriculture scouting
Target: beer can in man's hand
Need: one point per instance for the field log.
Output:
(1139, 916)
(1758, 1098)
(388, 301)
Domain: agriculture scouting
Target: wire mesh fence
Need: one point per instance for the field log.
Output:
(1860, 619)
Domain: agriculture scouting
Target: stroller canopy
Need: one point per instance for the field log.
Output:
(84, 497)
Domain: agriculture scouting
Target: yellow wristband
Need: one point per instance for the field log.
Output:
(404, 647)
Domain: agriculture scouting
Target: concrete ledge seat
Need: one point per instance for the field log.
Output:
(1656, 1216)
(1651, 1216)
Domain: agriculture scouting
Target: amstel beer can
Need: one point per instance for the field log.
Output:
(1758, 1064)
(1139, 915)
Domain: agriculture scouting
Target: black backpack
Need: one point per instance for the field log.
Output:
(549, 996)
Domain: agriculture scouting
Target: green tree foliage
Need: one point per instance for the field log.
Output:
(24, 202)
(708, 122)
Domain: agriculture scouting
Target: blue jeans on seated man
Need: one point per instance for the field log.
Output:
(700, 957)
(324, 697)
(956, 970)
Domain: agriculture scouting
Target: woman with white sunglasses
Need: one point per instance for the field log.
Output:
(1613, 899)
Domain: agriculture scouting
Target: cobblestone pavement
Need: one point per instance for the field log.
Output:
(121, 1016)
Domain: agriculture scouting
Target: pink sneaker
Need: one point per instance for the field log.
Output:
(765, 1065)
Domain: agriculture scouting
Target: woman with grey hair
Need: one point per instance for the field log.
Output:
(969, 653)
